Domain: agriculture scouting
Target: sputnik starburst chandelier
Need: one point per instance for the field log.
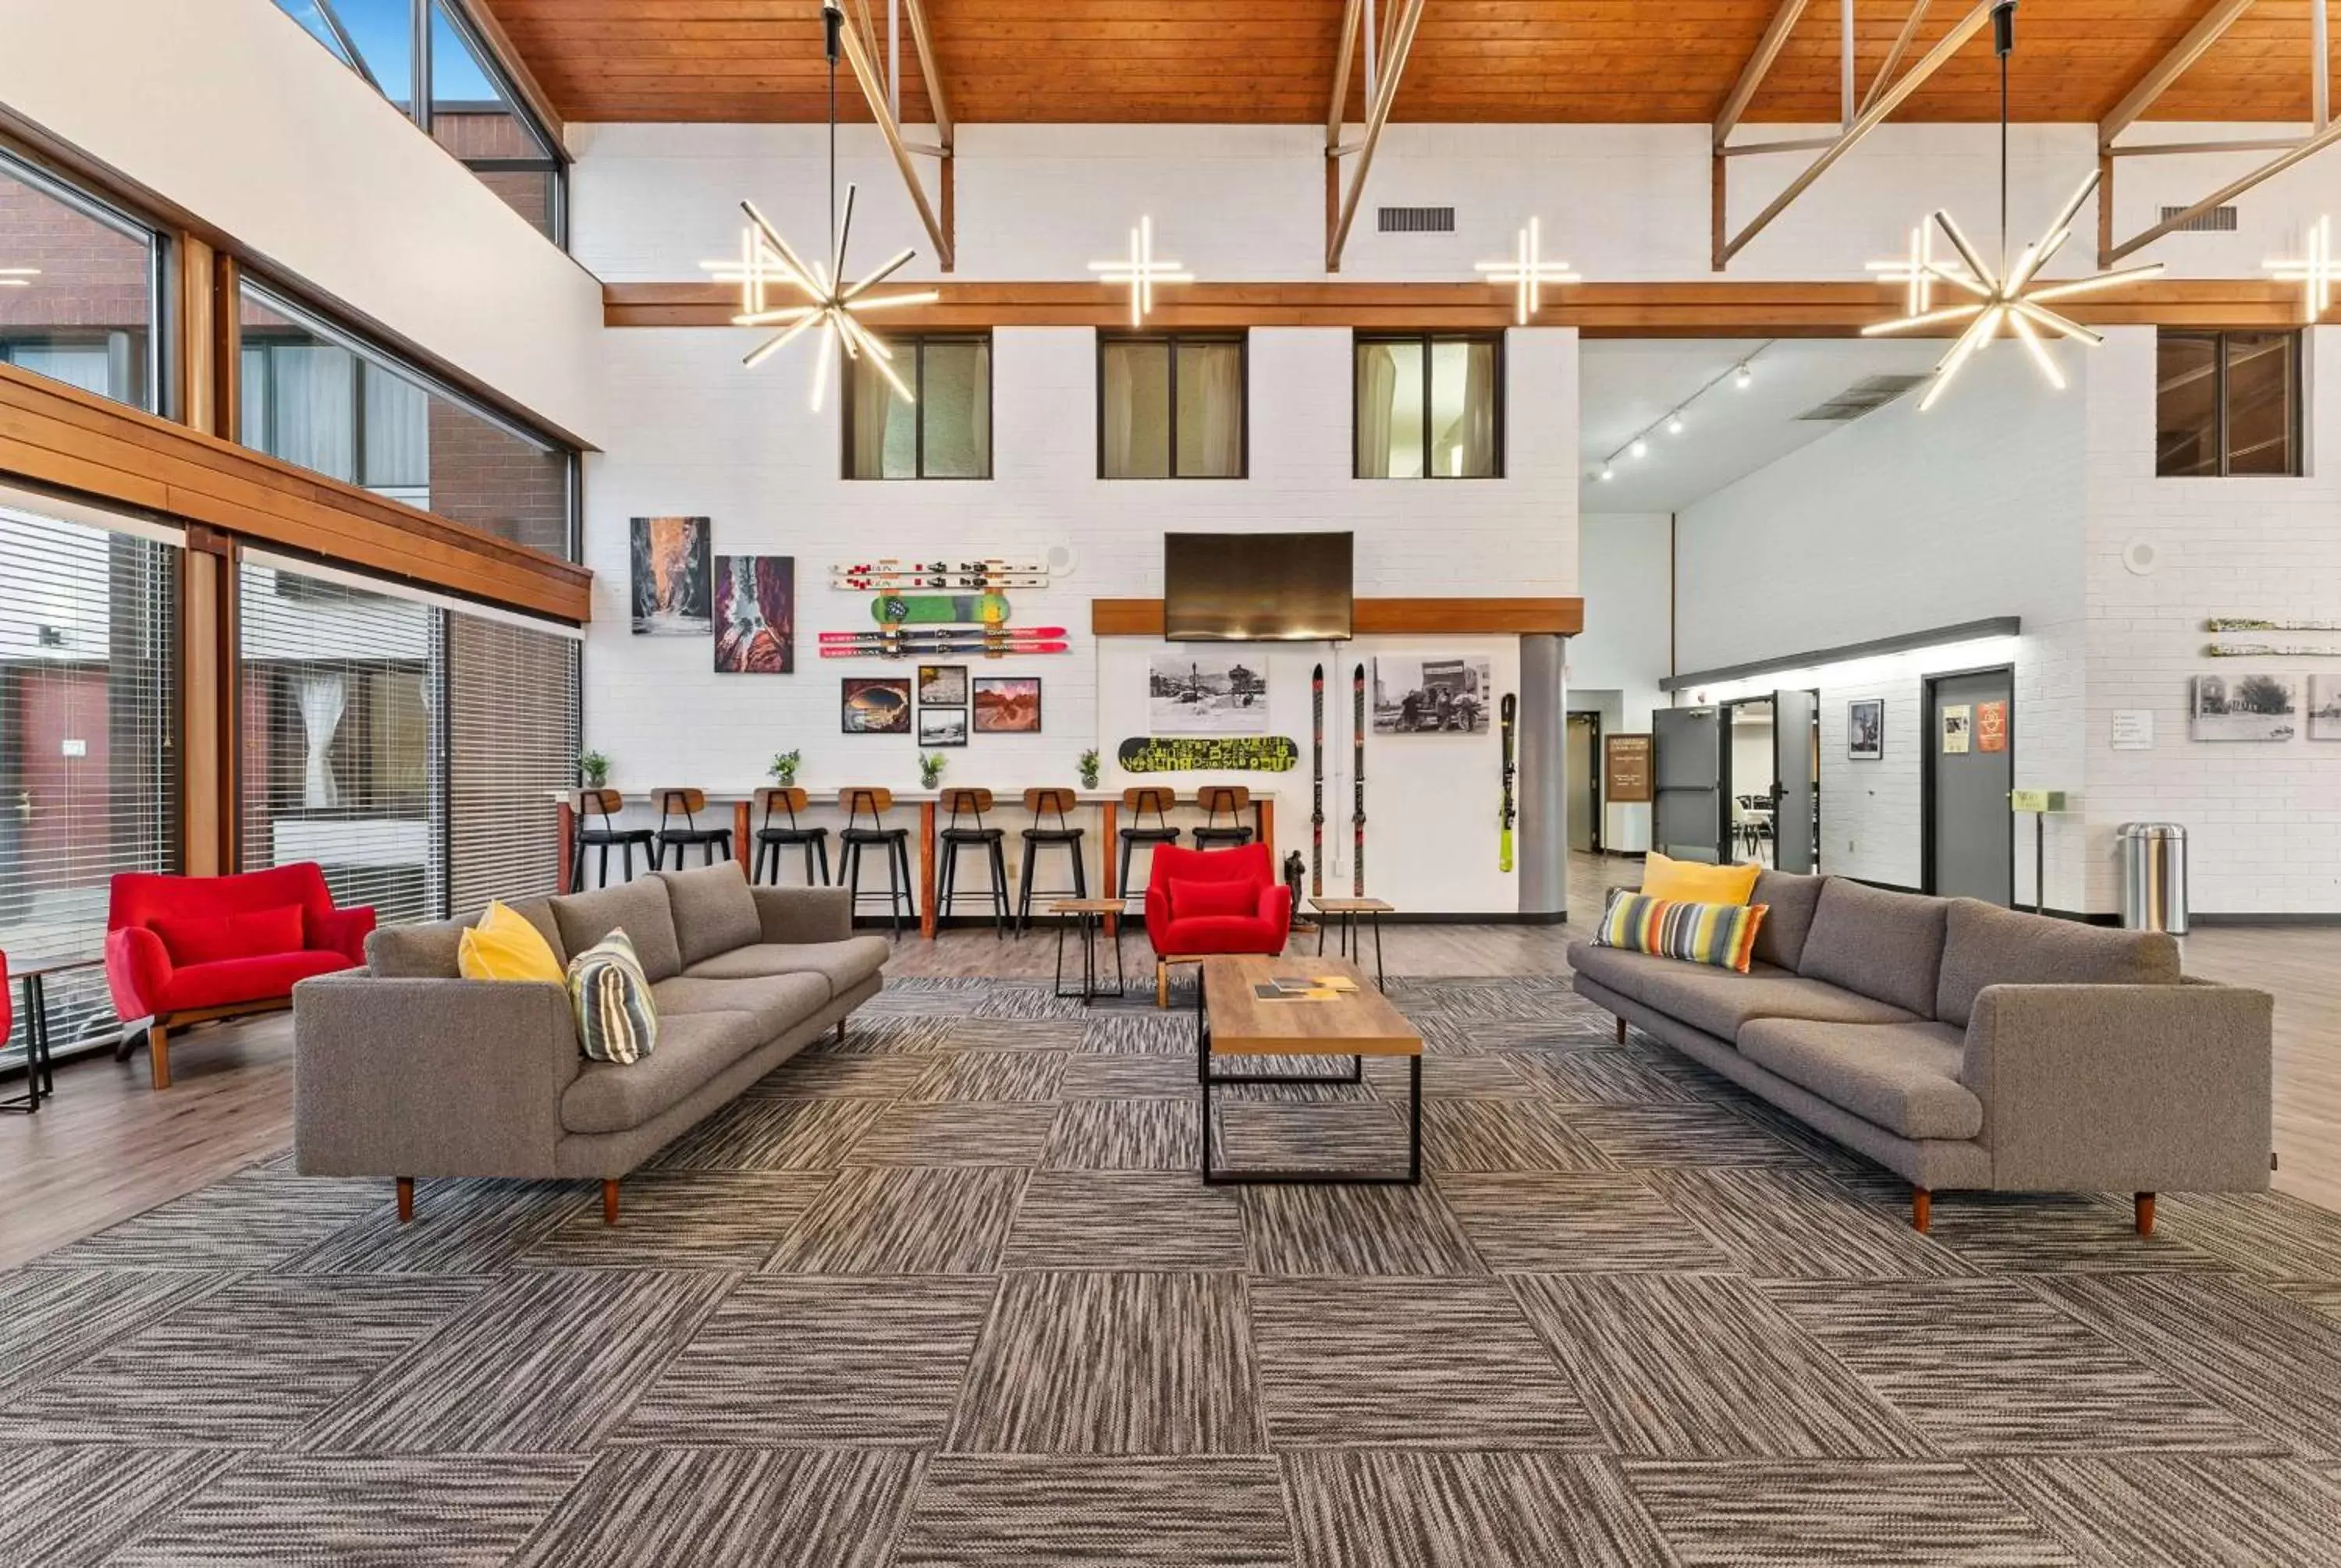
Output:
(832, 306)
(19, 277)
(1527, 271)
(2009, 296)
(2319, 272)
(1142, 271)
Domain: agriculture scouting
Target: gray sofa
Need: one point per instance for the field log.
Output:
(403, 1069)
(1968, 1047)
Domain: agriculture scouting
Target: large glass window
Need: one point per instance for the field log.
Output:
(2227, 403)
(1429, 406)
(1171, 408)
(316, 396)
(425, 56)
(944, 434)
(78, 286)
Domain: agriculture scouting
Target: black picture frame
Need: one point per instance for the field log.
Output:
(963, 716)
(952, 681)
(1865, 713)
(852, 689)
(993, 720)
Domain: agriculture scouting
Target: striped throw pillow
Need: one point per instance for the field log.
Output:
(612, 996)
(1722, 935)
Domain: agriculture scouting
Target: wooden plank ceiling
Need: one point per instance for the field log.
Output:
(1269, 61)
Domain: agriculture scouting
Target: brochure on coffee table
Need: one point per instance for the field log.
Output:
(1305, 989)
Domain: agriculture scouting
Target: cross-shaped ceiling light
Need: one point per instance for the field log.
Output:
(1142, 270)
(1527, 271)
(2319, 272)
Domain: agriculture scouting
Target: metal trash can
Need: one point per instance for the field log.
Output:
(2154, 877)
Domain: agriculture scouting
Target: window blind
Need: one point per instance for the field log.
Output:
(512, 736)
(88, 771)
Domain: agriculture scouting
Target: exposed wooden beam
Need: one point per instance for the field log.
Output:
(1759, 65)
(1403, 23)
(1901, 46)
(874, 91)
(922, 42)
(2158, 76)
(482, 17)
(2307, 148)
(1344, 56)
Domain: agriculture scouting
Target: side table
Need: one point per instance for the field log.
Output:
(1347, 911)
(1092, 914)
(40, 1064)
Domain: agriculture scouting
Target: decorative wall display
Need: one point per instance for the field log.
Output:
(1865, 729)
(1958, 728)
(1207, 692)
(2274, 650)
(755, 614)
(2256, 707)
(944, 685)
(943, 641)
(893, 576)
(669, 583)
(1626, 769)
(1432, 694)
(1008, 705)
(2324, 708)
(872, 705)
(940, 610)
(1197, 754)
(2239, 623)
(942, 726)
(1991, 726)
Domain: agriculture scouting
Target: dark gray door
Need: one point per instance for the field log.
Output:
(1970, 835)
(1793, 782)
(1687, 776)
(1584, 782)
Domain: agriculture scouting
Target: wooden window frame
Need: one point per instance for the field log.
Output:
(917, 343)
(2295, 399)
(1425, 340)
(1172, 342)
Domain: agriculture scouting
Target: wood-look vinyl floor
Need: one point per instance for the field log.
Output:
(108, 1146)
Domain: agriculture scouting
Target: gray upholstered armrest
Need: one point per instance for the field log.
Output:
(804, 914)
(429, 1077)
(2124, 1088)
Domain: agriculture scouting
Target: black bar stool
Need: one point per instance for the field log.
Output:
(1046, 803)
(1138, 802)
(606, 803)
(1229, 800)
(771, 838)
(954, 838)
(893, 844)
(690, 803)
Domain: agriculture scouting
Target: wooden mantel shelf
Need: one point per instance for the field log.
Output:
(1385, 617)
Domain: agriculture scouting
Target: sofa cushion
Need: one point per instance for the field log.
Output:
(1884, 945)
(1194, 899)
(613, 1096)
(1722, 935)
(234, 981)
(1903, 1076)
(502, 944)
(1719, 1001)
(713, 910)
(1226, 934)
(778, 1003)
(1788, 901)
(1694, 881)
(845, 965)
(211, 939)
(433, 951)
(1984, 945)
(639, 909)
(617, 1016)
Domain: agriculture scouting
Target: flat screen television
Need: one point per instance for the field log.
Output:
(1257, 587)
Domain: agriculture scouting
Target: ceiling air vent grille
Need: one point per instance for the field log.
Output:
(1415, 220)
(2215, 221)
(1867, 395)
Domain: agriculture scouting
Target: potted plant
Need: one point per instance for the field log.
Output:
(592, 769)
(1090, 768)
(930, 768)
(785, 768)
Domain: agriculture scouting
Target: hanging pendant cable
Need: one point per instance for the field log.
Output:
(832, 19)
(2002, 44)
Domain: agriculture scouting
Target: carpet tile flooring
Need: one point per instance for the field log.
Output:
(948, 1294)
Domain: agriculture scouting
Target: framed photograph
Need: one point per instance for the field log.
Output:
(1432, 694)
(1200, 691)
(755, 614)
(2324, 708)
(868, 705)
(942, 726)
(1865, 729)
(1008, 705)
(670, 581)
(944, 685)
(2256, 707)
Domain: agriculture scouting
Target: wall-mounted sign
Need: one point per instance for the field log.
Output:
(1958, 726)
(2133, 728)
(1626, 769)
(1208, 754)
(2037, 800)
(1992, 727)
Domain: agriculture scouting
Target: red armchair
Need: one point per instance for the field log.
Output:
(1211, 903)
(186, 949)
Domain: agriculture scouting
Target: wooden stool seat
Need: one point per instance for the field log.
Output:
(1230, 800)
(690, 803)
(771, 838)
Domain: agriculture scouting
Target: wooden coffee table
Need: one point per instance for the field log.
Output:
(1232, 1020)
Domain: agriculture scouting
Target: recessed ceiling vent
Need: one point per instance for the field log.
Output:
(1867, 395)
(2215, 221)
(1415, 220)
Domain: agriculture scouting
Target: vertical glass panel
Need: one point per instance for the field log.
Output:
(311, 15)
(76, 292)
(1136, 399)
(474, 118)
(955, 388)
(2186, 405)
(397, 437)
(1390, 411)
(2262, 380)
(881, 427)
(1462, 424)
(383, 34)
(1211, 410)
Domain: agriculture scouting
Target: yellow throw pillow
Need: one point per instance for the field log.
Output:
(1689, 882)
(504, 947)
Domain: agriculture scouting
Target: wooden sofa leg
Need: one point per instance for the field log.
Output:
(841, 1031)
(2142, 1204)
(1922, 1210)
(1621, 1031)
(608, 1203)
(158, 1054)
(405, 1200)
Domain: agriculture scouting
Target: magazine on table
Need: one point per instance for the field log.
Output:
(1305, 989)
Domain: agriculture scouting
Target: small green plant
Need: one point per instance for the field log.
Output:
(930, 768)
(592, 769)
(785, 768)
(1090, 768)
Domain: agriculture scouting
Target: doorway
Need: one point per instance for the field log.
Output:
(1969, 749)
(1687, 819)
(1584, 765)
(1749, 778)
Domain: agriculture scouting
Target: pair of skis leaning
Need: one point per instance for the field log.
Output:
(1317, 781)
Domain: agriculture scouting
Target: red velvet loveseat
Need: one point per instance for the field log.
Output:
(185, 950)
(1234, 904)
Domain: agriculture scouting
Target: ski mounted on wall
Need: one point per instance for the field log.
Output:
(971, 643)
(885, 582)
(1509, 813)
(2271, 651)
(2231, 624)
(1317, 781)
(1357, 776)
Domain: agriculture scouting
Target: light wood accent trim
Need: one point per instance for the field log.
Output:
(1361, 1024)
(207, 704)
(923, 43)
(1382, 617)
(873, 89)
(54, 434)
(1713, 308)
(515, 66)
(196, 344)
(1759, 65)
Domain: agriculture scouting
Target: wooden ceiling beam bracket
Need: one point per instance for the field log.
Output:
(1901, 46)
(2306, 148)
(923, 43)
(874, 91)
(1404, 21)
(2158, 76)
(1344, 56)
(1758, 66)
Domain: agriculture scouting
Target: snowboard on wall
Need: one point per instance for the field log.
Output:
(939, 609)
(1508, 712)
(1208, 754)
(1317, 782)
(1357, 776)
